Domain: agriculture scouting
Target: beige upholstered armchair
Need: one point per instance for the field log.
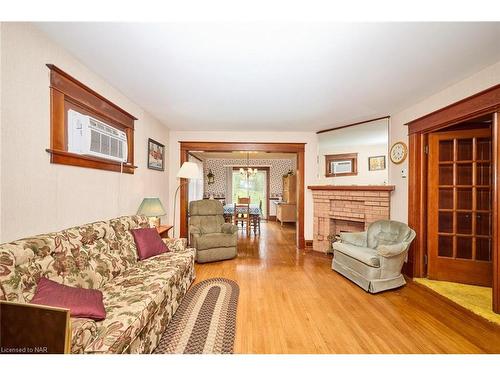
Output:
(373, 259)
(212, 238)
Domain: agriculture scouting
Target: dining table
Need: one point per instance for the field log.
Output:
(253, 208)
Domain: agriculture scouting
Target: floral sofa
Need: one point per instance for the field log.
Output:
(140, 297)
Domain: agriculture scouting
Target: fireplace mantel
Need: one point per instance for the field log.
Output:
(353, 187)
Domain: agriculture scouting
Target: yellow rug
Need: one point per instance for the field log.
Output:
(474, 298)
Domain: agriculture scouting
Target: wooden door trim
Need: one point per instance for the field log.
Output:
(495, 146)
(293, 148)
(482, 103)
(352, 124)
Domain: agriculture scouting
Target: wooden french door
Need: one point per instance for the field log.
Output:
(459, 207)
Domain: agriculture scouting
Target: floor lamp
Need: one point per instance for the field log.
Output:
(189, 170)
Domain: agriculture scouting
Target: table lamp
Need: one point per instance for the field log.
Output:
(189, 170)
(153, 209)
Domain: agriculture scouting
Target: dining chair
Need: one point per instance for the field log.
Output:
(255, 222)
(242, 215)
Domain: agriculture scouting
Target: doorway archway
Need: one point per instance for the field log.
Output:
(293, 148)
(486, 102)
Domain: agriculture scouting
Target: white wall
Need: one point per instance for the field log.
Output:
(369, 139)
(482, 80)
(38, 196)
(311, 149)
(277, 169)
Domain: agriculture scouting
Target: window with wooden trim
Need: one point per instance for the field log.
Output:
(86, 129)
(341, 165)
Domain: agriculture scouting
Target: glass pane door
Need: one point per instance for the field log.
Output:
(459, 211)
(254, 187)
(464, 198)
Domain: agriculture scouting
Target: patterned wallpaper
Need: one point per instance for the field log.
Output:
(278, 167)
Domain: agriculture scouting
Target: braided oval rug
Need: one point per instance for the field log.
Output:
(205, 321)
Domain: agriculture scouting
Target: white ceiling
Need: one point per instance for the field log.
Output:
(278, 77)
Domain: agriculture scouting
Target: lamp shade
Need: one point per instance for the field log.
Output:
(151, 207)
(189, 170)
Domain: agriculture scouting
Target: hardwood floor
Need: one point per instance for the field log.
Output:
(292, 302)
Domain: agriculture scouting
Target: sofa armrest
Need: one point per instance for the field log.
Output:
(229, 228)
(354, 238)
(388, 251)
(175, 244)
(83, 332)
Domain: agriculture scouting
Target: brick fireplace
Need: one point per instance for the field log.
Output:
(346, 209)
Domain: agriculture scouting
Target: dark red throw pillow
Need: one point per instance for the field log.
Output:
(81, 302)
(148, 243)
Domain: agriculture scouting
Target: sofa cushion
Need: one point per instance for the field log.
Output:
(363, 254)
(122, 241)
(79, 256)
(175, 244)
(148, 242)
(212, 240)
(81, 302)
(22, 263)
(133, 298)
(94, 261)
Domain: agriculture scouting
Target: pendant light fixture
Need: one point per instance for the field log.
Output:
(248, 172)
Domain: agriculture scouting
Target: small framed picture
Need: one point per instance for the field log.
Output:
(156, 155)
(376, 163)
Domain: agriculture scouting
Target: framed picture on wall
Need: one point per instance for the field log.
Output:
(156, 155)
(376, 163)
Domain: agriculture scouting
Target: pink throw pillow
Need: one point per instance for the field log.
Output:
(148, 242)
(81, 302)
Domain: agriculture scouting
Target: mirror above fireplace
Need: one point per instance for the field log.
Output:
(354, 154)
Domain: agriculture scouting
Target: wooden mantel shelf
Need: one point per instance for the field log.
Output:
(353, 187)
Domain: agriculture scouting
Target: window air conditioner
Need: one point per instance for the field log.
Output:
(88, 136)
(344, 166)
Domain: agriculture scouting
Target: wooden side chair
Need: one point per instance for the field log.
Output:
(242, 215)
(244, 200)
(256, 219)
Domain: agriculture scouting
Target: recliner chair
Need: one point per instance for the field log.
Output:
(212, 238)
(373, 259)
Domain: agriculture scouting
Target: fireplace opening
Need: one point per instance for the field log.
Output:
(338, 226)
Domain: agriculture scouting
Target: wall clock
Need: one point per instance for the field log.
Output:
(398, 152)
